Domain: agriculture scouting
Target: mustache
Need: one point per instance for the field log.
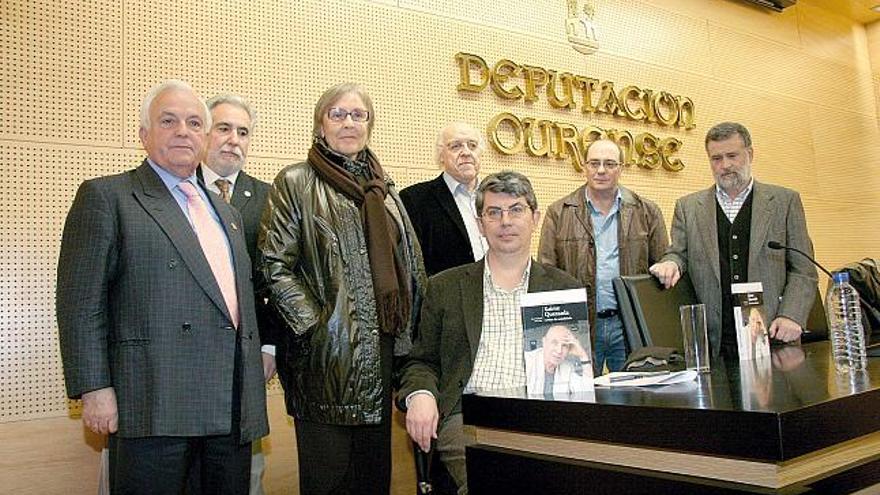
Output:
(236, 151)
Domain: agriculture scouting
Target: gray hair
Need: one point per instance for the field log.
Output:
(725, 130)
(507, 182)
(170, 85)
(236, 101)
(333, 95)
(441, 139)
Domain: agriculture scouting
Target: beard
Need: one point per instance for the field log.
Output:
(736, 181)
(225, 165)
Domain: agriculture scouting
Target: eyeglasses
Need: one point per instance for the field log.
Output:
(515, 212)
(608, 164)
(457, 146)
(337, 114)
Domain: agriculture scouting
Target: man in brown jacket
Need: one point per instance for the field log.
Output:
(597, 233)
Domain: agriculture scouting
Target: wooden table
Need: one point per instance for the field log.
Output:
(788, 424)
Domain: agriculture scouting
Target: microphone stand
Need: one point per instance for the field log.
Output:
(872, 350)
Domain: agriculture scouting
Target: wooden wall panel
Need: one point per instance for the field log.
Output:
(75, 72)
(780, 27)
(61, 71)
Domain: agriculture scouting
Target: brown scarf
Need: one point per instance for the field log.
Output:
(390, 281)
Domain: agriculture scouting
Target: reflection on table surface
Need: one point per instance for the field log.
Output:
(791, 378)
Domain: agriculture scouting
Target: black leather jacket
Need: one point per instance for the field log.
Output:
(314, 257)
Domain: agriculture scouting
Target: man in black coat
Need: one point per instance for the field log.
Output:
(442, 210)
(228, 142)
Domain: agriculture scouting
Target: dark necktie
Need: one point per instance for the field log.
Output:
(223, 185)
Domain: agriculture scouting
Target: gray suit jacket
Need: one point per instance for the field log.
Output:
(789, 279)
(139, 309)
(450, 328)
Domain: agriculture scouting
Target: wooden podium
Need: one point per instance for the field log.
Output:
(787, 424)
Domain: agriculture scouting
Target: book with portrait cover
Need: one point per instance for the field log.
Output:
(753, 341)
(556, 343)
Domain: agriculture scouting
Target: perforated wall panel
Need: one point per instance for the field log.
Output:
(74, 74)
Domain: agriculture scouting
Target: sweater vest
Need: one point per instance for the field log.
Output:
(733, 254)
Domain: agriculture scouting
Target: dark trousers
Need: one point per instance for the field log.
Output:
(349, 459)
(209, 465)
(335, 459)
(175, 465)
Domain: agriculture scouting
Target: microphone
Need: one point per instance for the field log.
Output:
(776, 245)
(871, 350)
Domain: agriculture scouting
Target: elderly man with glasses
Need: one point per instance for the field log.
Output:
(470, 335)
(442, 209)
(597, 233)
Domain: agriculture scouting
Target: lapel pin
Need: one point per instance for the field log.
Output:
(247, 194)
(234, 227)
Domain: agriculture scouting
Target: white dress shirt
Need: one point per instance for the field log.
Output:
(466, 202)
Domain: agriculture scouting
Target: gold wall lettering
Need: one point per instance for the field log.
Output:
(510, 135)
(564, 90)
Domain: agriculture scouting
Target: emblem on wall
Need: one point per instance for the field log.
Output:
(580, 27)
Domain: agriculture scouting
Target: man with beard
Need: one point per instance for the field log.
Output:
(720, 236)
(228, 142)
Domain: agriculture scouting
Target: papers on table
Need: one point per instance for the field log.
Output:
(644, 379)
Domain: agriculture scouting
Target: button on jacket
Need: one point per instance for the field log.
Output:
(314, 258)
(567, 240)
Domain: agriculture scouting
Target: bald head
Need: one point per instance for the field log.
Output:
(604, 163)
(458, 151)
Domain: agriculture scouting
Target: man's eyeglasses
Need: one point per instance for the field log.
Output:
(608, 164)
(457, 146)
(515, 212)
(339, 114)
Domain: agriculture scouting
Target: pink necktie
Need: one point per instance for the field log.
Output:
(211, 237)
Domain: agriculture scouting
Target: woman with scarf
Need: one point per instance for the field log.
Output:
(345, 274)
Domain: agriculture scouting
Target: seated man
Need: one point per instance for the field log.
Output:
(470, 336)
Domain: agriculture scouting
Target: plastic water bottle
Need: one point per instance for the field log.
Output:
(845, 324)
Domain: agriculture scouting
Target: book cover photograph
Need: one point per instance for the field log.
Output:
(556, 345)
(753, 341)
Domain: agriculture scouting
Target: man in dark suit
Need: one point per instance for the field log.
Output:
(470, 334)
(156, 314)
(720, 236)
(442, 210)
(233, 122)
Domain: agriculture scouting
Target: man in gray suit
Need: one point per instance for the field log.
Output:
(233, 122)
(720, 236)
(470, 334)
(156, 314)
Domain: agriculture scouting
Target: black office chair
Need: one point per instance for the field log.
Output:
(649, 312)
(817, 324)
(864, 276)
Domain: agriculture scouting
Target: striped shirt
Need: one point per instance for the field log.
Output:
(499, 362)
(730, 206)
